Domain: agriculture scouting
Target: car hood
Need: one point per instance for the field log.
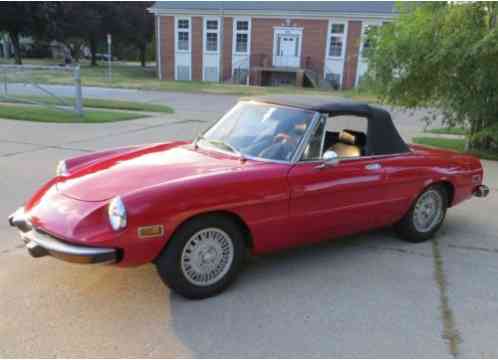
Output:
(142, 168)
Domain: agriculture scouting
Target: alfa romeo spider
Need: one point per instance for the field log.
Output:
(270, 174)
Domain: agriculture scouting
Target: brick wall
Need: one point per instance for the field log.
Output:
(262, 41)
(312, 52)
(352, 50)
(314, 43)
(197, 49)
(312, 49)
(167, 63)
(227, 48)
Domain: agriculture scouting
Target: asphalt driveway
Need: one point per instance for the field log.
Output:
(367, 295)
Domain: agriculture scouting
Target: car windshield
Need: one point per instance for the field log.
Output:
(259, 130)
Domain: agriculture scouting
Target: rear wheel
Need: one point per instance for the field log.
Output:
(203, 258)
(425, 216)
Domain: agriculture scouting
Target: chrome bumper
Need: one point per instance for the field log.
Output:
(481, 191)
(40, 244)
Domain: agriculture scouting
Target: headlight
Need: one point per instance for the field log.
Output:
(61, 169)
(117, 214)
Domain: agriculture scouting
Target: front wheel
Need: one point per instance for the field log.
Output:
(425, 216)
(203, 257)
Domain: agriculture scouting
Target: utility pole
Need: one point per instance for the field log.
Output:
(109, 54)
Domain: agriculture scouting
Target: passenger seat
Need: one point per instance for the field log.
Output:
(347, 146)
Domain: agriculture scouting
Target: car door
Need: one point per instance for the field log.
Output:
(334, 200)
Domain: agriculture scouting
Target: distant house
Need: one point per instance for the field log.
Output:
(7, 49)
(266, 42)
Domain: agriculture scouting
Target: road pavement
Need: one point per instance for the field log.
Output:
(369, 295)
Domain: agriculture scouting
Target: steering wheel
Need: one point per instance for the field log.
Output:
(281, 138)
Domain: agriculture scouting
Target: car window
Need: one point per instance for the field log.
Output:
(355, 123)
(344, 135)
(313, 151)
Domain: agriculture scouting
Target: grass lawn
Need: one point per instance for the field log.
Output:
(95, 103)
(43, 114)
(135, 77)
(453, 144)
(448, 131)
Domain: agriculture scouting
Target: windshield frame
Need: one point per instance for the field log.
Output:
(297, 152)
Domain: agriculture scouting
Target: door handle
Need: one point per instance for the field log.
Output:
(372, 167)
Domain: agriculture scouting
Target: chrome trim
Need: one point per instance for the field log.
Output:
(61, 169)
(304, 141)
(481, 191)
(357, 158)
(41, 244)
(322, 145)
(372, 167)
(68, 252)
(20, 220)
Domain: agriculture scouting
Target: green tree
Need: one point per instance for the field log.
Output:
(22, 19)
(445, 56)
(136, 27)
(77, 24)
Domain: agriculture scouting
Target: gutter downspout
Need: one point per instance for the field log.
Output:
(222, 39)
(158, 48)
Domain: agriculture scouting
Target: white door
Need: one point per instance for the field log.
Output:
(211, 54)
(287, 48)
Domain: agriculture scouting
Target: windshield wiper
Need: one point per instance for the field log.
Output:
(224, 144)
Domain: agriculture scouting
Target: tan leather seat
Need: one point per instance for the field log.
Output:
(346, 146)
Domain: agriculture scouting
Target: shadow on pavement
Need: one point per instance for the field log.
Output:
(331, 298)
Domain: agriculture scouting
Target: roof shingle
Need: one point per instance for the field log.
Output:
(297, 7)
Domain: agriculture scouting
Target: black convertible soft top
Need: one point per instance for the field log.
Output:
(382, 136)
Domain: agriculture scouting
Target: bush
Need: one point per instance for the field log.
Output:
(442, 55)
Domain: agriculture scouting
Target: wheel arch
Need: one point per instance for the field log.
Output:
(443, 182)
(450, 190)
(234, 217)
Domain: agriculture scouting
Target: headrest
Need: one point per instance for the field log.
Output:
(353, 137)
(347, 138)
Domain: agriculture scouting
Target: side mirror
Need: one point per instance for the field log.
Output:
(330, 158)
(330, 155)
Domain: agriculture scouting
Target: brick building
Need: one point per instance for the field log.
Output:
(266, 42)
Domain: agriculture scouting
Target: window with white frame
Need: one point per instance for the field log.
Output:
(211, 29)
(183, 35)
(367, 33)
(241, 36)
(336, 40)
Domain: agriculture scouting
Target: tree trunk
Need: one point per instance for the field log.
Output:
(14, 38)
(93, 50)
(472, 132)
(143, 54)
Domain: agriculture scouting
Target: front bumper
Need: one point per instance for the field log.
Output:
(41, 244)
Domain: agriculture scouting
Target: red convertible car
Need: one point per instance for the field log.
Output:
(270, 174)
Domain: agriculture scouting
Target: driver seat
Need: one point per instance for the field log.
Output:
(347, 146)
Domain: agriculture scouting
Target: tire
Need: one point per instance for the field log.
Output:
(203, 257)
(411, 227)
